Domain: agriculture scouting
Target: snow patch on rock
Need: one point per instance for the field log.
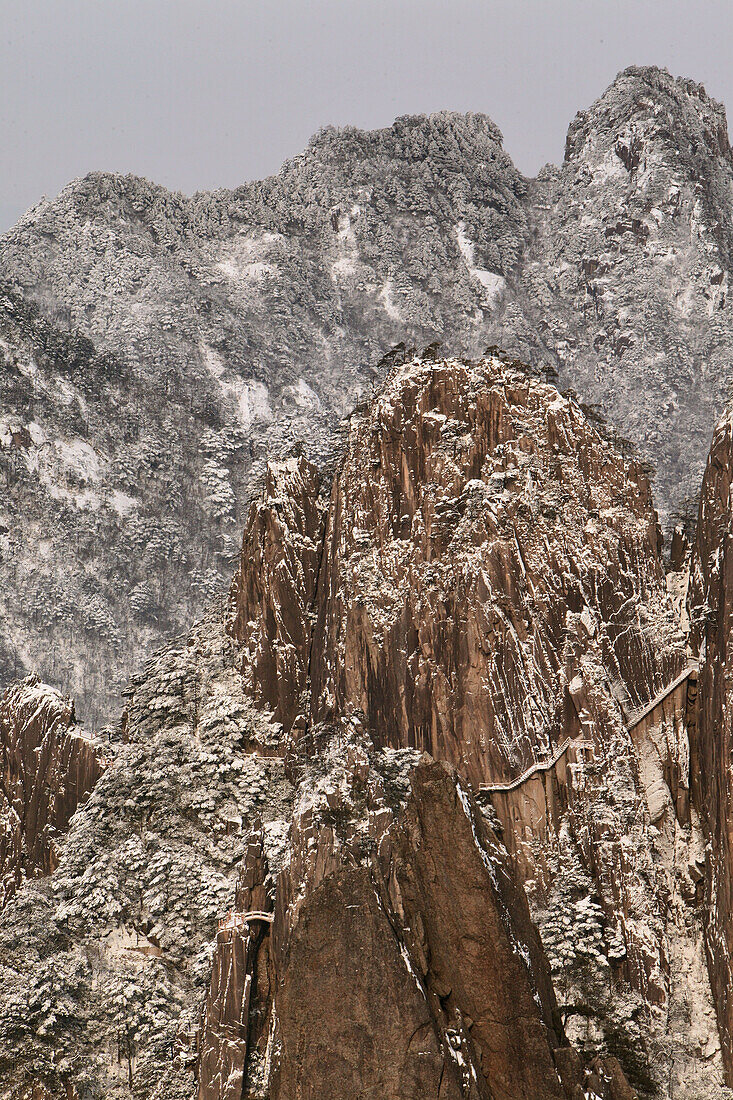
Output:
(385, 296)
(251, 398)
(494, 285)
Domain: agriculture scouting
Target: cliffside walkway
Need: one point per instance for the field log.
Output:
(234, 920)
(688, 673)
(544, 766)
(646, 714)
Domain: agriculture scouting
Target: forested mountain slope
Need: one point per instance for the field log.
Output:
(157, 349)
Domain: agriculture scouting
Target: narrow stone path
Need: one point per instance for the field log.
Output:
(638, 718)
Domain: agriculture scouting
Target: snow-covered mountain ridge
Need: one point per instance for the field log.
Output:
(158, 349)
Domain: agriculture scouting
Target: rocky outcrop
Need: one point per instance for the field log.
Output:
(474, 511)
(49, 768)
(711, 608)
(491, 590)
(391, 861)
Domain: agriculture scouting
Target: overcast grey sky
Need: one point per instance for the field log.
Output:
(206, 93)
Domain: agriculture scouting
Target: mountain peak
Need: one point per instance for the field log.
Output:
(97, 195)
(674, 109)
(411, 140)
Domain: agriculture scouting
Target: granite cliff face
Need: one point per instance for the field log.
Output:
(49, 768)
(710, 612)
(392, 862)
(432, 592)
(274, 591)
(485, 584)
(446, 591)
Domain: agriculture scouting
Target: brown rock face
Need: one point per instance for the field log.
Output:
(274, 590)
(232, 1019)
(443, 861)
(48, 769)
(490, 590)
(224, 1036)
(402, 961)
(711, 613)
(473, 510)
(380, 1041)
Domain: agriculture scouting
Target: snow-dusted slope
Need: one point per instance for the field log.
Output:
(226, 327)
(626, 283)
(218, 331)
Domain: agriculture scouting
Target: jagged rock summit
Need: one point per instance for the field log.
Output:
(448, 502)
(625, 281)
(48, 766)
(273, 889)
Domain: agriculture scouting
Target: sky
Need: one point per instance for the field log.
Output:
(199, 94)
